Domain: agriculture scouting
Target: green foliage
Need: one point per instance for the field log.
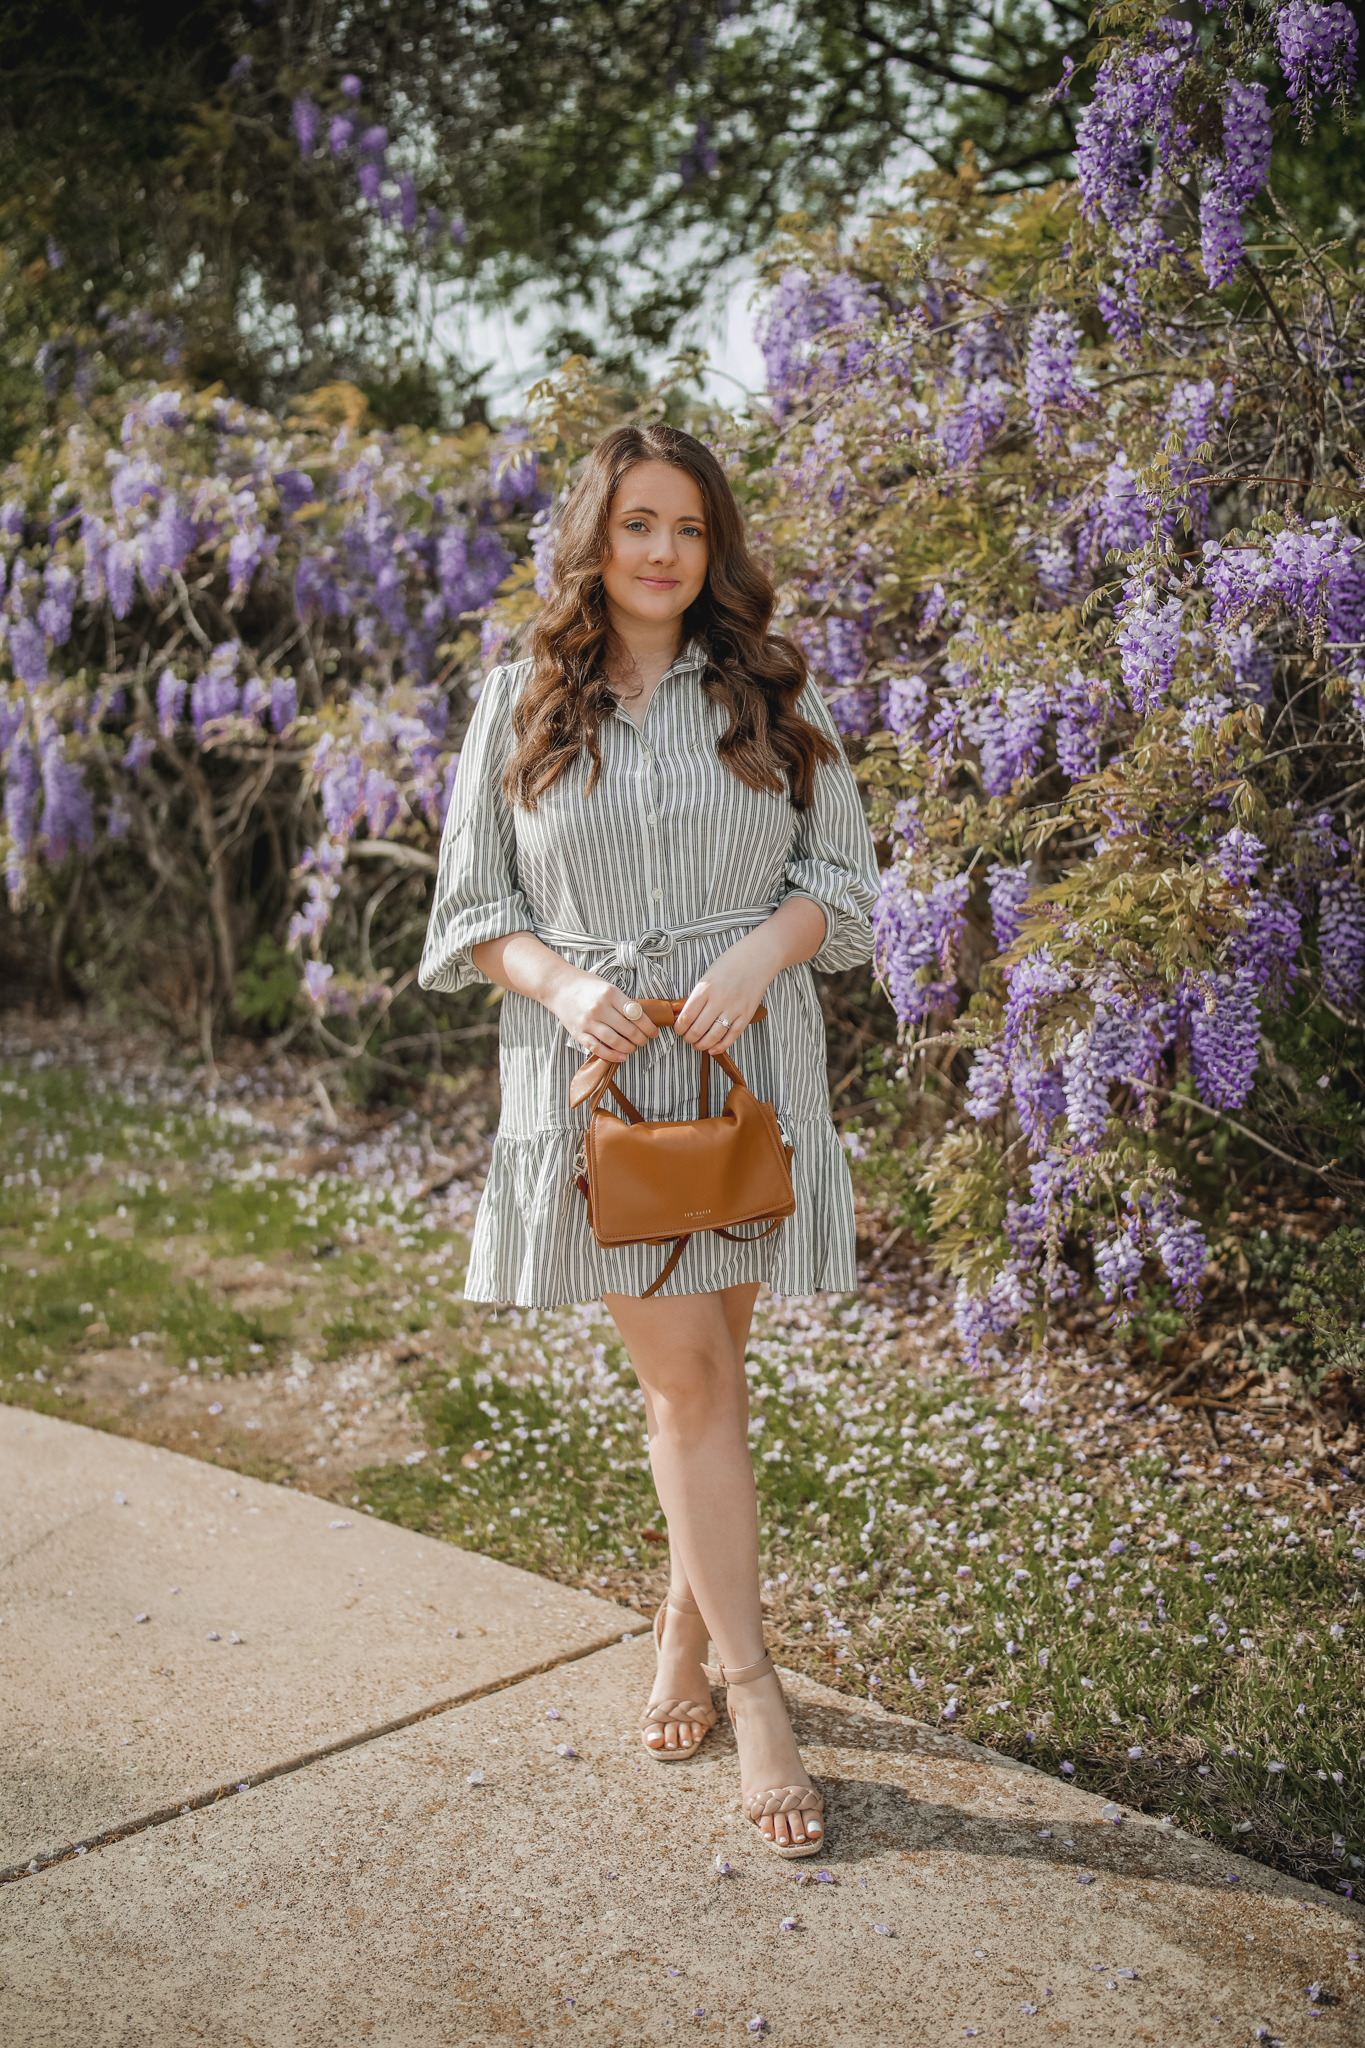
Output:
(1328, 1298)
(1153, 1317)
(155, 198)
(126, 1224)
(268, 987)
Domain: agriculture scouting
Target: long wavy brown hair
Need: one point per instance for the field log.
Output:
(755, 674)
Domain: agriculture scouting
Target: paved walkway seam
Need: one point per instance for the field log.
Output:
(161, 1814)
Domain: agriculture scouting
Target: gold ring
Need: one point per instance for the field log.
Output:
(634, 1010)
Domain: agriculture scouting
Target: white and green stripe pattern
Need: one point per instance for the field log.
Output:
(646, 881)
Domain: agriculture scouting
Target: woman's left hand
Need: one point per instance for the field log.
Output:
(725, 999)
(733, 986)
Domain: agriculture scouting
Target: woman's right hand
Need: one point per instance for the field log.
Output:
(593, 1012)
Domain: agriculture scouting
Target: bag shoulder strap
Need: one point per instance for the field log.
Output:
(605, 1083)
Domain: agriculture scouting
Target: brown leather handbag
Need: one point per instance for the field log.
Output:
(647, 1183)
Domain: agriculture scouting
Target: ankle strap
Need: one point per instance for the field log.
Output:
(747, 1673)
(681, 1606)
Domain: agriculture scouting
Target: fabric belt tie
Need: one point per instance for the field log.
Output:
(658, 944)
(636, 956)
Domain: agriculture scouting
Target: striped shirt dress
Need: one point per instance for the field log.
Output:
(645, 881)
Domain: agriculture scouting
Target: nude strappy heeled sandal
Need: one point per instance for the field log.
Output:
(655, 1715)
(802, 1799)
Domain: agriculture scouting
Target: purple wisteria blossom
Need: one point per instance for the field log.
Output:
(1139, 248)
(1253, 667)
(543, 549)
(1033, 983)
(316, 975)
(67, 822)
(979, 1316)
(170, 701)
(1303, 571)
(1050, 369)
(58, 600)
(917, 934)
(512, 464)
(21, 799)
(137, 754)
(987, 1083)
(1118, 1265)
(320, 868)
(216, 694)
(120, 566)
(1008, 729)
(1007, 889)
(1269, 944)
(1317, 53)
(1238, 855)
(28, 651)
(1084, 709)
(343, 789)
(1341, 938)
(905, 704)
(1097, 1056)
(1182, 1249)
(1225, 1037)
(800, 310)
(284, 702)
(304, 119)
(1135, 97)
(1230, 186)
(1125, 521)
(1039, 1099)
(1149, 643)
(167, 543)
(975, 421)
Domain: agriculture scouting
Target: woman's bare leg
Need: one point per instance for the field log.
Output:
(737, 1305)
(688, 1353)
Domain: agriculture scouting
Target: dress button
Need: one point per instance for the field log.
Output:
(658, 895)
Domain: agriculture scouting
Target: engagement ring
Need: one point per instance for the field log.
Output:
(725, 1023)
(634, 1010)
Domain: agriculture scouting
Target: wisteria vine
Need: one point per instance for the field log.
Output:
(188, 589)
(1066, 640)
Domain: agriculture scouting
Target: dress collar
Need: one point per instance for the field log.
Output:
(694, 655)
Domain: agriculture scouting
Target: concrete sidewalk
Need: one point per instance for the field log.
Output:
(459, 1880)
(171, 1629)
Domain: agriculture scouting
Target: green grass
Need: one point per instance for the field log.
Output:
(122, 1221)
(932, 1543)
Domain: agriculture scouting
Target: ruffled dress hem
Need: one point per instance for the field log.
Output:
(533, 1247)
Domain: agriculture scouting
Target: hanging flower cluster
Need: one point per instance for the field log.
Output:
(1177, 110)
(1064, 644)
(186, 580)
(362, 146)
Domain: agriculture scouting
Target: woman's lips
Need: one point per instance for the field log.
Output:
(659, 582)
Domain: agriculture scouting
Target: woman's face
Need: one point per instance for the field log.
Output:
(659, 545)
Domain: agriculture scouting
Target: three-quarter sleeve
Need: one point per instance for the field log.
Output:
(478, 896)
(833, 859)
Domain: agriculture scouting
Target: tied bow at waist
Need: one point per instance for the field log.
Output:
(636, 956)
(631, 954)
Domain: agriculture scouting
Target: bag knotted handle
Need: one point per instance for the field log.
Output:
(594, 1077)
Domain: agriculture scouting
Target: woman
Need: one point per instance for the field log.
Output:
(656, 804)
